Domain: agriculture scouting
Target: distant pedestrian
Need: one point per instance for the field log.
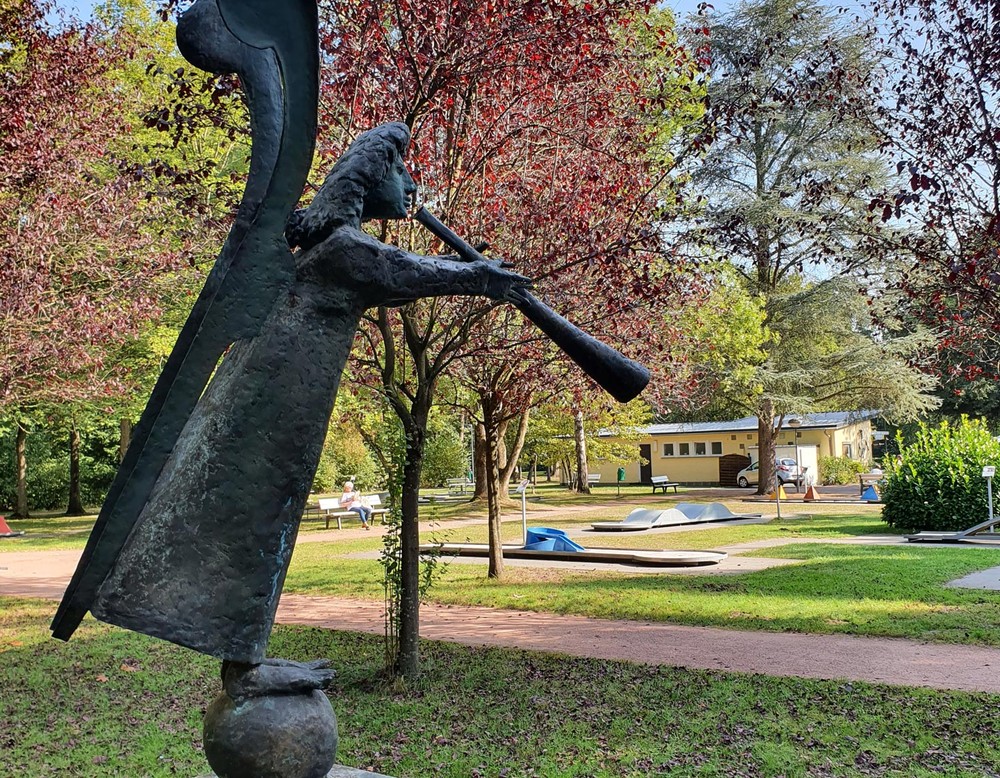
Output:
(351, 500)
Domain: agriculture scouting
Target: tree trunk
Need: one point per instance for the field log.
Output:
(492, 487)
(124, 438)
(479, 462)
(75, 507)
(408, 662)
(766, 437)
(580, 439)
(21, 465)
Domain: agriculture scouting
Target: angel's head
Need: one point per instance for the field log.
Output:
(369, 181)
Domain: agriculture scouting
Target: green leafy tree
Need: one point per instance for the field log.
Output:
(787, 184)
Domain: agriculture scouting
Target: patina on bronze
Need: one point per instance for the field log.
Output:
(194, 539)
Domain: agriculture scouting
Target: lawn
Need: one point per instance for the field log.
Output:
(885, 591)
(112, 702)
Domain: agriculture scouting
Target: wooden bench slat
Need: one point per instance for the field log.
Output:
(330, 509)
(662, 482)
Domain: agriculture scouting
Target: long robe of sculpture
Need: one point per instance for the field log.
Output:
(194, 541)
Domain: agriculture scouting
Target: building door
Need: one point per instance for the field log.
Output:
(729, 466)
(646, 466)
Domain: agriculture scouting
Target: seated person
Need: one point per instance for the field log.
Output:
(351, 500)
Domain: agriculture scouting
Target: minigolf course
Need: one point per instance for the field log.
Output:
(682, 513)
(555, 544)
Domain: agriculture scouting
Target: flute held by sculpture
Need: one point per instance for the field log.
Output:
(621, 377)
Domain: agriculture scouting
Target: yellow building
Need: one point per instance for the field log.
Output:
(710, 453)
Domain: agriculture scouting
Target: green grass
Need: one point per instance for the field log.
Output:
(113, 703)
(826, 525)
(885, 591)
(49, 532)
(882, 591)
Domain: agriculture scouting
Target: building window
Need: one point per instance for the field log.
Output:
(717, 448)
(668, 449)
(749, 437)
(699, 449)
(732, 437)
(848, 451)
(684, 449)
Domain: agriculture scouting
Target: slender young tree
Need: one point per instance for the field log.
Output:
(505, 102)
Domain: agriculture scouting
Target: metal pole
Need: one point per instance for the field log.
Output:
(777, 493)
(989, 494)
(524, 516)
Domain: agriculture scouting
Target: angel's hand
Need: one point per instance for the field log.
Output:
(499, 282)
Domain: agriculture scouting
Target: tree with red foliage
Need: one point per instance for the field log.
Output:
(940, 129)
(528, 133)
(75, 280)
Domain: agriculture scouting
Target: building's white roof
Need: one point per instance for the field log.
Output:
(833, 420)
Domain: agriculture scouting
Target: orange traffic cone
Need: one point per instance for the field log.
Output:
(812, 494)
(5, 530)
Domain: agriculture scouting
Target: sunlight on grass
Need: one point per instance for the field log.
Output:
(112, 702)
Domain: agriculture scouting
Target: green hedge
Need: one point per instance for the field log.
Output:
(936, 481)
(840, 470)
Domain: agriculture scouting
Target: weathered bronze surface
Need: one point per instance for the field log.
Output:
(194, 541)
(271, 721)
(260, 41)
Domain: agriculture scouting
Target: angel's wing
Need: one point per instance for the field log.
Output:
(273, 48)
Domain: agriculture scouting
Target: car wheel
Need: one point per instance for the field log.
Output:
(743, 481)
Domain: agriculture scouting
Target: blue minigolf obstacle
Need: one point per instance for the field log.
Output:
(870, 494)
(548, 539)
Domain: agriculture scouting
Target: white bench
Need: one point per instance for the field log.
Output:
(330, 508)
(459, 485)
(662, 482)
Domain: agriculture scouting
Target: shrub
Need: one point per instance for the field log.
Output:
(444, 455)
(346, 456)
(840, 470)
(936, 481)
(47, 455)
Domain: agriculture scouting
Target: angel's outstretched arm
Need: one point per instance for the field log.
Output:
(383, 275)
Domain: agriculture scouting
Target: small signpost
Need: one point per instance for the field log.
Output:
(988, 472)
(522, 489)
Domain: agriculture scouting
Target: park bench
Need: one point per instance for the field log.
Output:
(662, 482)
(869, 479)
(459, 485)
(329, 508)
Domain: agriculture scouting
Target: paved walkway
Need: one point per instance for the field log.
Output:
(44, 574)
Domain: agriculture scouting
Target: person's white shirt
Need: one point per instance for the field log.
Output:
(349, 497)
